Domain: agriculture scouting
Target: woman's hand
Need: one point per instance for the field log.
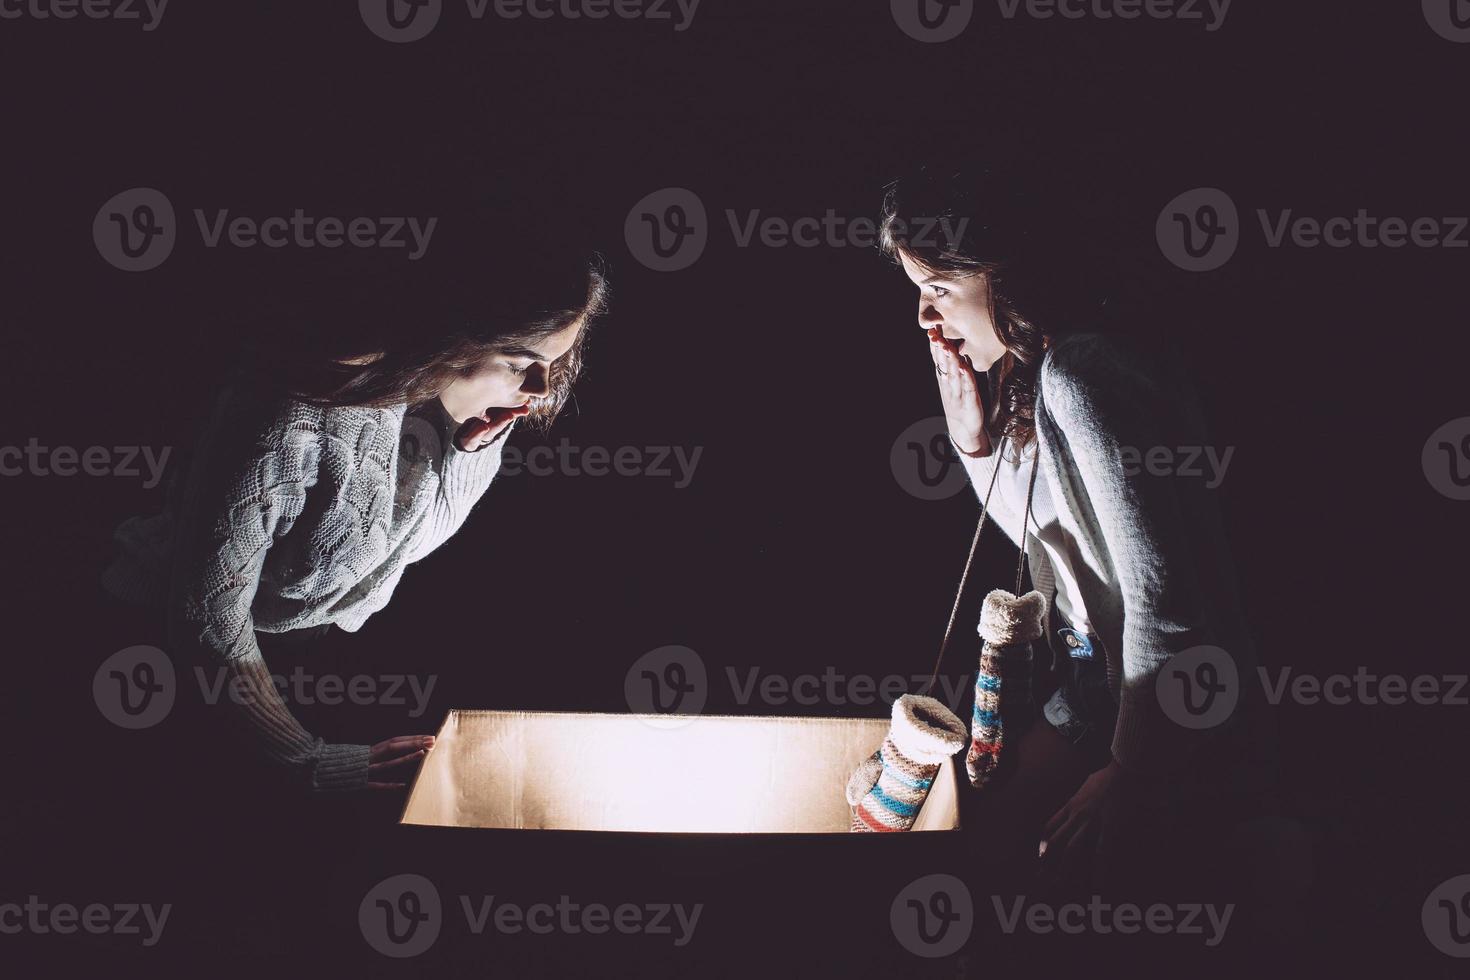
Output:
(1072, 830)
(478, 432)
(393, 762)
(964, 411)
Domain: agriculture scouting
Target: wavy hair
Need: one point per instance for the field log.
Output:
(398, 343)
(977, 242)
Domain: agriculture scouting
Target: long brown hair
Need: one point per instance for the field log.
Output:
(400, 343)
(936, 222)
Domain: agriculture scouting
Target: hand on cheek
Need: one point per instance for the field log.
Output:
(478, 432)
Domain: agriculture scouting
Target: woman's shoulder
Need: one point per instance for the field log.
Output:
(1071, 357)
(274, 423)
(1087, 372)
(1078, 359)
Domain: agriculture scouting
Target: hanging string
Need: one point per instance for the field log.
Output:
(975, 547)
(1026, 521)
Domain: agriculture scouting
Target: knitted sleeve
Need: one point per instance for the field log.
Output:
(247, 486)
(1103, 402)
(463, 481)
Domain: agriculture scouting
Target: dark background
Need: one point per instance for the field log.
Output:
(794, 369)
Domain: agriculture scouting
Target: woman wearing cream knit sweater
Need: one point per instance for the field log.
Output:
(315, 485)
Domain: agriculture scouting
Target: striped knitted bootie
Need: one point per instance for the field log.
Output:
(1004, 704)
(888, 789)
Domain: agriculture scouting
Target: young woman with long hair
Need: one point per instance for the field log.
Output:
(1133, 563)
(352, 445)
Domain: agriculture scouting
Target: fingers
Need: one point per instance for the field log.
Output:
(400, 745)
(1056, 823)
(470, 434)
(1060, 841)
(375, 768)
(387, 787)
(479, 431)
(957, 370)
(1064, 858)
(499, 416)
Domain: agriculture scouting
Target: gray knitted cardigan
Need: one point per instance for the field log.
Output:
(1157, 577)
(295, 516)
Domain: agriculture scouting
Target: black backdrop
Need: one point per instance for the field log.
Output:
(794, 548)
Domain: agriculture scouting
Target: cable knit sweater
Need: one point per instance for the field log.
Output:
(1155, 573)
(295, 516)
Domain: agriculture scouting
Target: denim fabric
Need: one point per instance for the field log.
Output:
(1082, 708)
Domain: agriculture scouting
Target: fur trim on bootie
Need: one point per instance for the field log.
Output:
(889, 787)
(1006, 619)
(1004, 702)
(925, 731)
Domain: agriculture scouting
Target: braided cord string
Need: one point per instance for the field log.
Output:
(954, 611)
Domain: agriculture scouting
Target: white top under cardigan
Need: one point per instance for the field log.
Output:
(1145, 554)
(1062, 550)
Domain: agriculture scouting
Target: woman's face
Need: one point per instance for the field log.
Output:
(510, 378)
(960, 308)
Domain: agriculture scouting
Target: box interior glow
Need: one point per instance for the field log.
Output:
(703, 774)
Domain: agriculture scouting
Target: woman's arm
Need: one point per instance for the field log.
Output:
(1097, 403)
(243, 493)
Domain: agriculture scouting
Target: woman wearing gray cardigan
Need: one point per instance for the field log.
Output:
(316, 483)
(1129, 554)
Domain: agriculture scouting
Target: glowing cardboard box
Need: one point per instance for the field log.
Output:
(702, 774)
